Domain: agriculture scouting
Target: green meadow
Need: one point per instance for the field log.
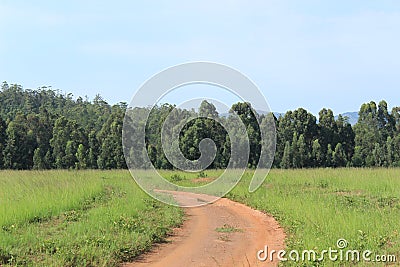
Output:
(317, 207)
(102, 218)
(78, 218)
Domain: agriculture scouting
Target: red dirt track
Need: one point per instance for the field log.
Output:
(197, 243)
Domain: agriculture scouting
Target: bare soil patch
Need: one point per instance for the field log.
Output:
(201, 242)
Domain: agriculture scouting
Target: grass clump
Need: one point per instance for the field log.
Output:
(78, 218)
(226, 228)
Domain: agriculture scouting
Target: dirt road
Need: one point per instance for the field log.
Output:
(224, 233)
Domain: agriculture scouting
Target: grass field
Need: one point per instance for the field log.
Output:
(319, 206)
(85, 218)
(95, 218)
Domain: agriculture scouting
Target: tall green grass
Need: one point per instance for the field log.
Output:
(96, 218)
(85, 218)
(318, 207)
(33, 195)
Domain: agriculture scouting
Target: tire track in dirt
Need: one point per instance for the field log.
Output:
(198, 243)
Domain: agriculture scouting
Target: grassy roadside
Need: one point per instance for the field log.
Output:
(317, 207)
(97, 218)
(85, 218)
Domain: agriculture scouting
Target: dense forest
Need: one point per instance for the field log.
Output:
(46, 129)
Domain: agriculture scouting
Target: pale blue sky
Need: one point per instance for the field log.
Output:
(310, 54)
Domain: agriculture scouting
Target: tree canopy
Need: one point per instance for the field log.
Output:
(46, 129)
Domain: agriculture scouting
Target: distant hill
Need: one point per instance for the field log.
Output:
(352, 117)
(279, 114)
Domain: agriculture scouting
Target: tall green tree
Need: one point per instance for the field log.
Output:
(357, 159)
(328, 128)
(386, 122)
(67, 135)
(396, 150)
(303, 154)
(3, 141)
(295, 152)
(329, 157)
(111, 154)
(396, 117)
(389, 152)
(250, 119)
(339, 157)
(81, 156)
(317, 154)
(39, 162)
(208, 110)
(94, 150)
(286, 162)
(378, 155)
(20, 146)
(367, 133)
(346, 137)
(300, 122)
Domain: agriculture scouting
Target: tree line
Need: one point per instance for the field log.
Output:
(46, 129)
